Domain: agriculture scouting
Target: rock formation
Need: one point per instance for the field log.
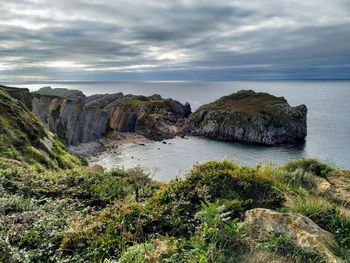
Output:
(243, 116)
(302, 230)
(249, 117)
(76, 118)
(24, 138)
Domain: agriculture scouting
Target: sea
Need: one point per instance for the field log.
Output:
(328, 125)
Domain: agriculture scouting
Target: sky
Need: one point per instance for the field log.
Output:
(45, 40)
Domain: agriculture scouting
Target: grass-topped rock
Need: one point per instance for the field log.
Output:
(249, 117)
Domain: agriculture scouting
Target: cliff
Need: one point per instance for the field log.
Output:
(24, 138)
(249, 117)
(243, 116)
(76, 118)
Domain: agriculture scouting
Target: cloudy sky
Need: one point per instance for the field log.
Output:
(174, 40)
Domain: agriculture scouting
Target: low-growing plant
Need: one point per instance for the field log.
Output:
(310, 165)
(282, 245)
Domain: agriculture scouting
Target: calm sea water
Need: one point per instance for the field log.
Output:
(328, 122)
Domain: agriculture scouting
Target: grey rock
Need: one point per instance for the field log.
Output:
(76, 118)
(250, 117)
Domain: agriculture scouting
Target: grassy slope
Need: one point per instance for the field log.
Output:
(24, 138)
(89, 215)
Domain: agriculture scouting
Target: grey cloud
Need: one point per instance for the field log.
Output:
(186, 39)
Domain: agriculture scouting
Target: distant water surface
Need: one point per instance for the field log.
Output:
(328, 104)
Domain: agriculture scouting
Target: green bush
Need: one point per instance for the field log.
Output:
(310, 165)
(106, 234)
(172, 210)
(217, 239)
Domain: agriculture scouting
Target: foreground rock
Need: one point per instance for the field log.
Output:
(303, 232)
(76, 118)
(249, 117)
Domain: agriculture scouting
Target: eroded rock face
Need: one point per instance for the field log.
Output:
(76, 118)
(302, 230)
(243, 116)
(249, 117)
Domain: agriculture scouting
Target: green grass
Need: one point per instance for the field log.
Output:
(282, 245)
(22, 137)
(327, 215)
(311, 165)
(245, 101)
(83, 214)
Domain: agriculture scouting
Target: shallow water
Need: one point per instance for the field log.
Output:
(166, 161)
(328, 137)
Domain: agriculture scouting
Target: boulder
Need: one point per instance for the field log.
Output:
(303, 231)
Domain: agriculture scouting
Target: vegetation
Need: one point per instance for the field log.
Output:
(282, 245)
(245, 101)
(23, 138)
(86, 214)
(151, 103)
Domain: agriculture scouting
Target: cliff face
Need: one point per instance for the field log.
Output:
(24, 138)
(249, 117)
(77, 118)
(243, 116)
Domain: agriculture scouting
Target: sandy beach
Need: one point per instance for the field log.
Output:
(113, 142)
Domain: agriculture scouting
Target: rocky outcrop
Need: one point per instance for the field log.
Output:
(76, 118)
(243, 116)
(249, 117)
(65, 93)
(302, 231)
(24, 138)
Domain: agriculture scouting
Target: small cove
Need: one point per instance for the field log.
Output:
(328, 124)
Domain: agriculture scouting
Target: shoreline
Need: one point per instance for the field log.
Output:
(97, 146)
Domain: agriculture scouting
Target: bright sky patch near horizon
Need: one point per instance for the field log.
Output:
(44, 40)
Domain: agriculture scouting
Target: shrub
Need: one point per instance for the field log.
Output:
(15, 204)
(310, 165)
(217, 239)
(106, 234)
(172, 210)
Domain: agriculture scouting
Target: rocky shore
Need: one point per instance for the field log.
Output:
(219, 210)
(245, 116)
(95, 147)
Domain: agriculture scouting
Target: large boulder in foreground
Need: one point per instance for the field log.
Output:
(302, 231)
(251, 117)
